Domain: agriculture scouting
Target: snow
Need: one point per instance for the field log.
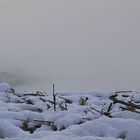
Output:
(9, 130)
(32, 117)
(4, 87)
(105, 127)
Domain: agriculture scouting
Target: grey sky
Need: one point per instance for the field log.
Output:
(78, 44)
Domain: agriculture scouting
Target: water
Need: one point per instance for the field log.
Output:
(78, 45)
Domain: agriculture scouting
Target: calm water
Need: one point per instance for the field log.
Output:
(78, 45)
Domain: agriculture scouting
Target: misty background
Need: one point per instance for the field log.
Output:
(78, 45)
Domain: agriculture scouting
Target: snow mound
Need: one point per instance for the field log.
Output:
(77, 116)
(4, 87)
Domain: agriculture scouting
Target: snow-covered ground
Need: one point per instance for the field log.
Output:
(78, 116)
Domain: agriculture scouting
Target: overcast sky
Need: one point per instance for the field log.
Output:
(80, 45)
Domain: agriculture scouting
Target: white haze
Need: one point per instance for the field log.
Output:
(78, 45)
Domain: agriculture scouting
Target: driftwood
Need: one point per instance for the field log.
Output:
(129, 104)
(130, 109)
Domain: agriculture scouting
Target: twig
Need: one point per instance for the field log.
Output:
(67, 100)
(123, 91)
(127, 104)
(104, 113)
(54, 98)
(129, 109)
(39, 121)
(109, 108)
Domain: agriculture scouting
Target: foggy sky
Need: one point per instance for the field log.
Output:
(80, 45)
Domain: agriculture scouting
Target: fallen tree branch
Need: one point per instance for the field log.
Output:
(125, 103)
(130, 109)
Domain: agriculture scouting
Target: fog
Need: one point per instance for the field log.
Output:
(78, 45)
